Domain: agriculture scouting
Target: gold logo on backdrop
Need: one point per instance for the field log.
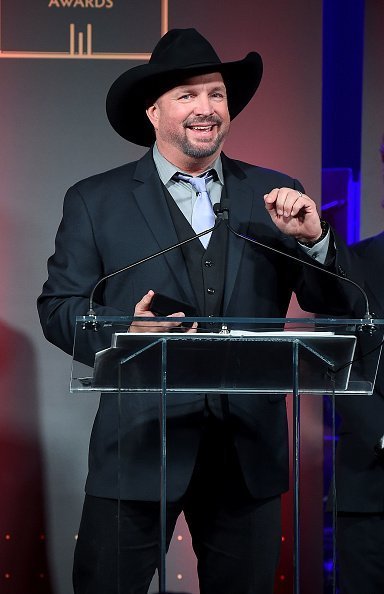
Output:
(81, 38)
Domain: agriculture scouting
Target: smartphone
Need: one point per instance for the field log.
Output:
(161, 305)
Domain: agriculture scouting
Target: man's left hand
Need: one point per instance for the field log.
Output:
(294, 213)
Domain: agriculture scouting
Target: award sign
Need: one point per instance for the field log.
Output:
(76, 29)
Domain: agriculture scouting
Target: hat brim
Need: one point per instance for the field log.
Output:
(129, 94)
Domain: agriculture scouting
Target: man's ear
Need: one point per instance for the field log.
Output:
(153, 114)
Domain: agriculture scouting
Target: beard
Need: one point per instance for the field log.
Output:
(197, 152)
(205, 147)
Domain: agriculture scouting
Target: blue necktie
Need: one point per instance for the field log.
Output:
(203, 216)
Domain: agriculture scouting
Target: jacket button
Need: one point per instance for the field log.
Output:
(208, 263)
(211, 291)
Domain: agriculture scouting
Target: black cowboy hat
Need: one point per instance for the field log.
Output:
(180, 53)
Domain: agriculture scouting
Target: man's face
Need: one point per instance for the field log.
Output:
(192, 120)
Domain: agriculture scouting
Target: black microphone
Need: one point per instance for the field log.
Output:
(221, 211)
(93, 325)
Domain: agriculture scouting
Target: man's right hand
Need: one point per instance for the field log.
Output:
(142, 310)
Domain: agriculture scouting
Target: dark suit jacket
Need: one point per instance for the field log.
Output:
(359, 475)
(121, 216)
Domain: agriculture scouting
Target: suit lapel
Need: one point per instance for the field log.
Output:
(150, 199)
(240, 196)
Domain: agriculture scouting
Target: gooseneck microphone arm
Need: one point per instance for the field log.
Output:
(91, 311)
(222, 211)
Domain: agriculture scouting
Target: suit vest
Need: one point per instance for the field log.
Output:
(206, 267)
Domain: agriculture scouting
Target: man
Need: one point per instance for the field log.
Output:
(360, 452)
(227, 461)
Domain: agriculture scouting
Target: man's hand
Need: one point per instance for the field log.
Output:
(142, 310)
(294, 213)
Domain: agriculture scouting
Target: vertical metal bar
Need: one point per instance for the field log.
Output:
(118, 562)
(163, 468)
(164, 17)
(72, 39)
(89, 39)
(81, 43)
(334, 494)
(296, 469)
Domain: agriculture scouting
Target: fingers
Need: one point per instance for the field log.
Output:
(169, 325)
(180, 314)
(288, 202)
(294, 213)
(142, 307)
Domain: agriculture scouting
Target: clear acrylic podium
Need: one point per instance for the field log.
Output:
(333, 356)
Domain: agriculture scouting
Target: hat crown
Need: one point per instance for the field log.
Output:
(183, 48)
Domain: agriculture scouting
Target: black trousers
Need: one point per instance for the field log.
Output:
(236, 538)
(360, 548)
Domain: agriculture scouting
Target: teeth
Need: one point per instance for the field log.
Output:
(201, 127)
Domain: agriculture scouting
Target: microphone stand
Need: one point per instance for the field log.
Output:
(222, 212)
(93, 324)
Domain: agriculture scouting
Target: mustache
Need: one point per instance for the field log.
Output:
(202, 120)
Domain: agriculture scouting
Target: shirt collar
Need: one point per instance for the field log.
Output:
(167, 170)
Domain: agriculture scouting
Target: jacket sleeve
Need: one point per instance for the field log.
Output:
(73, 271)
(326, 289)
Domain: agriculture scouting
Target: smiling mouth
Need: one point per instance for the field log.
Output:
(202, 128)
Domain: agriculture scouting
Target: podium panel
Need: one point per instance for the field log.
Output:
(225, 356)
(223, 363)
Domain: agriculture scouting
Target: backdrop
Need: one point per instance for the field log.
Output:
(57, 61)
(372, 167)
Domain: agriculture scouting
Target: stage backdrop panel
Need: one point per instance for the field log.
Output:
(372, 166)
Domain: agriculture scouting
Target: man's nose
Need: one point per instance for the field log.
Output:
(204, 105)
